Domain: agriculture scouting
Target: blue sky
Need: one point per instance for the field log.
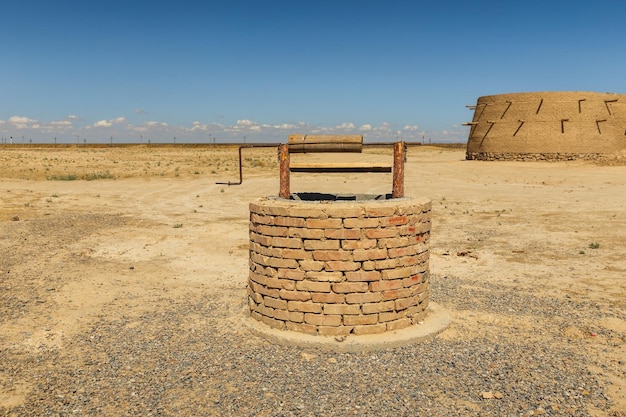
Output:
(154, 70)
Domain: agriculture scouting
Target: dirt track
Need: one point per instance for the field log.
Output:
(123, 271)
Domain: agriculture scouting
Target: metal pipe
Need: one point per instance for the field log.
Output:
(257, 145)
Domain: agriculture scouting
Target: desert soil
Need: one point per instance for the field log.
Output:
(123, 275)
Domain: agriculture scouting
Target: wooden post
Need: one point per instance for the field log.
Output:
(283, 162)
(398, 170)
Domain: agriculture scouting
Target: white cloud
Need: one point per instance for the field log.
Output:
(346, 126)
(119, 120)
(411, 128)
(72, 117)
(21, 122)
(61, 123)
(284, 126)
(246, 123)
(366, 128)
(103, 123)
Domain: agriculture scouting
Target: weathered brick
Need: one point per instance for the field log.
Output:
(258, 278)
(407, 260)
(280, 262)
(399, 324)
(321, 244)
(255, 296)
(418, 288)
(262, 269)
(343, 211)
(261, 239)
(381, 233)
(301, 327)
(289, 221)
(324, 223)
(329, 297)
(264, 310)
(334, 330)
(372, 308)
(341, 266)
(386, 263)
(342, 233)
(412, 280)
(261, 219)
(296, 254)
(271, 230)
(368, 266)
(261, 289)
(280, 283)
(294, 274)
(275, 210)
(304, 233)
(314, 286)
(275, 303)
(358, 244)
(393, 221)
(369, 329)
(380, 211)
(409, 230)
(360, 320)
(287, 242)
(256, 316)
(304, 306)
(385, 285)
(362, 223)
(362, 275)
(395, 294)
(398, 272)
(403, 251)
(363, 297)
(388, 315)
(403, 303)
(307, 212)
(369, 254)
(310, 265)
(256, 208)
(322, 319)
(276, 324)
(266, 251)
(325, 276)
(295, 295)
(295, 316)
(332, 255)
(394, 242)
(342, 309)
(350, 287)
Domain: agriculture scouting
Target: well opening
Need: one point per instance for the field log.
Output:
(318, 197)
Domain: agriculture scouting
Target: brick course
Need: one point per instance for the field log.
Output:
(339, 268)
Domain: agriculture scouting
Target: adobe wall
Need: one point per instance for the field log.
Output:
(547, 126)
(339, 268)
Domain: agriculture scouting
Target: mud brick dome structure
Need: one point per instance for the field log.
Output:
(547, 125)
(341, 267)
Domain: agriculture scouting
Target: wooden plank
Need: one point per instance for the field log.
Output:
(340, 167)
(325, 143)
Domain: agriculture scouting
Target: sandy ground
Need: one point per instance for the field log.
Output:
(88, 235)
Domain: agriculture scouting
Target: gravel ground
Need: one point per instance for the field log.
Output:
(184, 360)
(107, 309)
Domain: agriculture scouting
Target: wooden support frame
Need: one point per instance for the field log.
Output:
(328, 143)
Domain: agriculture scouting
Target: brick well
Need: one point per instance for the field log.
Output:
(339, 267)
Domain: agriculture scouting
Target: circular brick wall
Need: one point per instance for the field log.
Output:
(547, 125)
(340, 267)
